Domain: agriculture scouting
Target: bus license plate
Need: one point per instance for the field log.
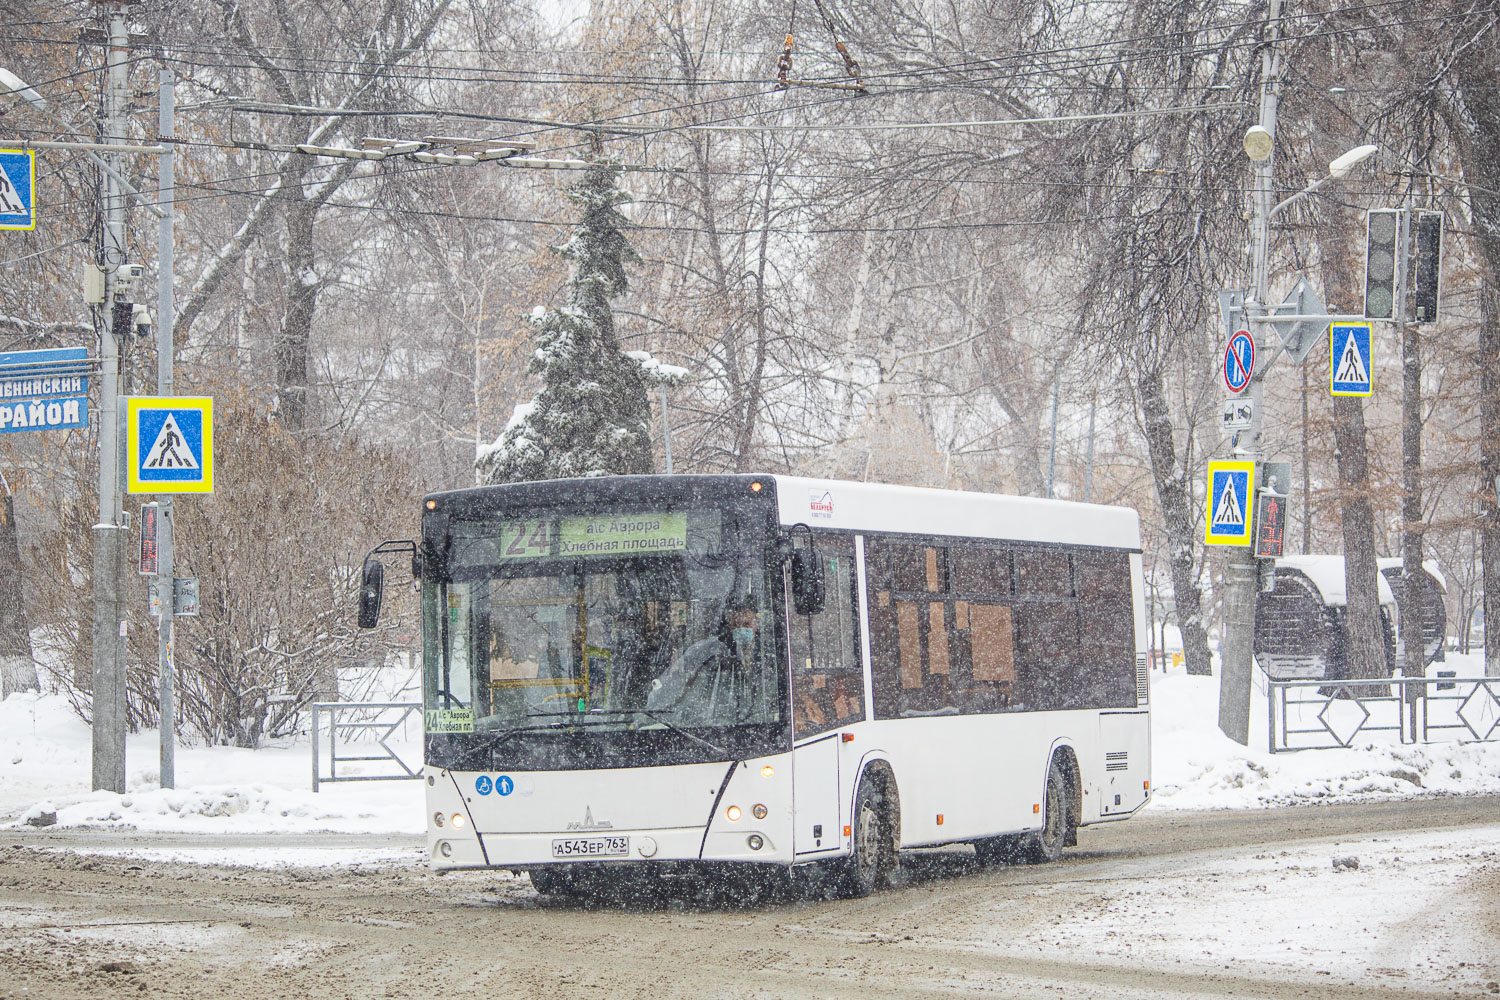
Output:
(591, 847)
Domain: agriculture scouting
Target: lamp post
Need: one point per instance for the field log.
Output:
(1240, 579)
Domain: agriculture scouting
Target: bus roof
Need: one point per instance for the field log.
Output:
(919, 510)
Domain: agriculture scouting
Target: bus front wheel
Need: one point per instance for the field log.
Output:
(872, 843)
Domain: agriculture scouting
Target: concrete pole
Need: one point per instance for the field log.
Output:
(109, 623)
(1088, 469)
(166, 182)
(666, 428)
(1052, 450)
(1236, 654)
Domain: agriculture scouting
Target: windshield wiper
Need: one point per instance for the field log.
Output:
(580, 719)
(492, 742)
(674, 727)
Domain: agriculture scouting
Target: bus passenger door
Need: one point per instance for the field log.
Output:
(827, 697)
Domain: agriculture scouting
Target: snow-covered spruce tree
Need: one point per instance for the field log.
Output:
(591, 417)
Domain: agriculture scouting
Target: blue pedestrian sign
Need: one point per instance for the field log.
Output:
(169, 444)
(1231, 486)
(17, 189)
(1349, 360)
(1239, 361)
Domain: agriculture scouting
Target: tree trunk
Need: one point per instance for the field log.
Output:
(17, 667)
(1489, 462)
(1177, 511)
(294, 338)
(1364, 638)
(1474, 116)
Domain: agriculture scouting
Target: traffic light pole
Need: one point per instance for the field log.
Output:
(1240, 578)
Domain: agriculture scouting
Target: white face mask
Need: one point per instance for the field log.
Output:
(743, 637)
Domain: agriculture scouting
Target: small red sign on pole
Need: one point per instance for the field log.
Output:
(148, 540)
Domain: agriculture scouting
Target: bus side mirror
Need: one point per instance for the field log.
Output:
(371, 580)
(809, 592)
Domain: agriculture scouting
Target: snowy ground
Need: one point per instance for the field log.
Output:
(45, 764)
(1413, 911)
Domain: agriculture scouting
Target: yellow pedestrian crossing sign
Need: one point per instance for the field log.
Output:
(1349, 360)
(169, 444)
(1231, 491)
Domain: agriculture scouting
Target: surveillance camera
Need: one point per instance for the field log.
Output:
(140, 320)
(130, 272)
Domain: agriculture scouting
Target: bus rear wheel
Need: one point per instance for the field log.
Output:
(1046, 844)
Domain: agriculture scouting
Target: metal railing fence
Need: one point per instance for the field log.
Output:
(1323, 714)
(381, 719)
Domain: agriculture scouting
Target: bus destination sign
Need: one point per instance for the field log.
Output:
(610, 535)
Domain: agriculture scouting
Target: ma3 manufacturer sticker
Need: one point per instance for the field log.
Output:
(820, 504)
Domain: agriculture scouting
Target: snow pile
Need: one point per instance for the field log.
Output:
(46, 766)
(1195, 766)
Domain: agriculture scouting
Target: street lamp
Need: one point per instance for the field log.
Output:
(18, 87)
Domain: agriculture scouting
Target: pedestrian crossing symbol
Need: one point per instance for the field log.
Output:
(169, 443)
(17, 189)
(1349, 359)
(1231, 485)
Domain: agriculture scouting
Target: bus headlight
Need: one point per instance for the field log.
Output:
(755, 841)
(445, 849)
(457, 821)
(759, 811)
(733, 813)
(438, 819)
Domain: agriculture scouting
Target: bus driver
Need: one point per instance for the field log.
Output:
(712, 681)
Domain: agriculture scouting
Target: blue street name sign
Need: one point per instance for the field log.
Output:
(1349, 371)
(44, 414)
(17, 189)
(59, 371)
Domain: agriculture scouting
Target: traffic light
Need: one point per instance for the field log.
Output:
(121, 314)
(1383, 253)
(1426, 266)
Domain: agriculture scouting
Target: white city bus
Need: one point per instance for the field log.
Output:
(664, 674)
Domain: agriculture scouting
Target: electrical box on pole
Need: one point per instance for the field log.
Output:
(1384, 259)
(1426, 266)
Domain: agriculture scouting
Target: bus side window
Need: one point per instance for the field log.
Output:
(827, 677)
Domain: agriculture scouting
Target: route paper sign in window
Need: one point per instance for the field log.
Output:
(169, 444)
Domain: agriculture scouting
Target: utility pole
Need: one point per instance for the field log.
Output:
(109, 547)
(1240, 579)
(166, 182)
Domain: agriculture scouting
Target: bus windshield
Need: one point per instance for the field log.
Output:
(594, 640)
